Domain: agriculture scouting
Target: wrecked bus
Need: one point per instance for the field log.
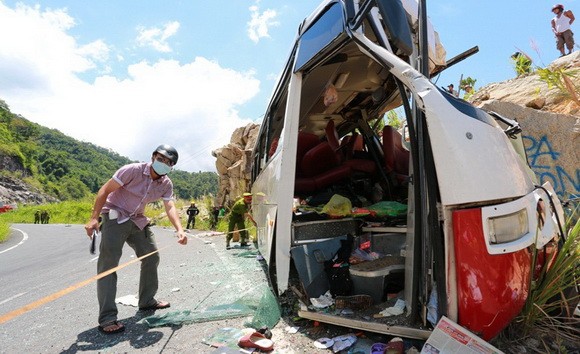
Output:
(447, 209)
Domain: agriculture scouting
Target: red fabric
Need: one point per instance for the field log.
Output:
(333, 176)
(332, 135)
(361, 165)
(306, 141)
(319, 159)
(396, 156)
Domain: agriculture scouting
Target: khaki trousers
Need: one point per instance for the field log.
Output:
(113, 238)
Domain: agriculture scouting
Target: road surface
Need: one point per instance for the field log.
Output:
(42, 260)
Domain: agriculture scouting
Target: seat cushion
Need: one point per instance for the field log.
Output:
(317, 160)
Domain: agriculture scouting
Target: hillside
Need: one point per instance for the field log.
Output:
(39, 165)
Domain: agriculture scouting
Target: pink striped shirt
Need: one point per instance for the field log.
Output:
(137, 189)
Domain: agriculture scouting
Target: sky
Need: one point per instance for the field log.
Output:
(129, 75)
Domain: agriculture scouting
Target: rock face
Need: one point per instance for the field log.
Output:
(550, 120)
(529, 91)
(14, 191)
(233, 163)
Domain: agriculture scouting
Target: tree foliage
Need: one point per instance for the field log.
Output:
(71, 170)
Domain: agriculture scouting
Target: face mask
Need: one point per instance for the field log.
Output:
(160, 168)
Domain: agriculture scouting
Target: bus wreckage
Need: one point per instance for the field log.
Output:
(443, 218)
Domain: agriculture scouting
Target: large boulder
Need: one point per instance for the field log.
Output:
(233, 163)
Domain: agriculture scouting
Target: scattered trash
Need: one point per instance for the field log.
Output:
(346, 312)
(362, 346)
(247, 254)
(343, 342)
(323, 301)
(449, 337)
(291, 330)
(259, 257)
(129, 300)
(337, 206)
(323, 343)
(256, 340)
(174, 290)
(378, 348)
(260, 303)
(207, 242)
(224, 337)
(432, 314)
(396, 310)
(266, 332)
(354, 302)
(395, 346)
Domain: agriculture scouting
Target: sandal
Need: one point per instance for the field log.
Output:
(378, 348)
(120, 328)
(157, 306)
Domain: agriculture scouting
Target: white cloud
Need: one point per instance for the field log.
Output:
(192, 106)
(157, 37)
(260, 23)
(97, 50)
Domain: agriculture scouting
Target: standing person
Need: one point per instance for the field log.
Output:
(215, 214)
(452, 91)
(561, 28)
(239, 212)
(44, 216)
(121, 202)
(192, 212)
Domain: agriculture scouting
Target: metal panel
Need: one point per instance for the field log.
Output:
(312, 231)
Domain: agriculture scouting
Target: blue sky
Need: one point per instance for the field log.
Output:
(128, 75)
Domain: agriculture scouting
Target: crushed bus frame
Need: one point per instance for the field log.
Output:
(475, 220)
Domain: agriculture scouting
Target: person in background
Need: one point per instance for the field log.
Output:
(215, 212)
(452, 91)
(192, 212)
(121, 203)
(44, 217)
(561, 26)
(239, 212)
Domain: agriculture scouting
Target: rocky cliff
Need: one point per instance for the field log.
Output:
(14, 190)
(233, 164)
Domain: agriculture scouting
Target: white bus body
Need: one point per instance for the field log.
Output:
(473, 208)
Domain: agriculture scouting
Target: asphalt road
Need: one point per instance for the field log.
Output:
(43, 260)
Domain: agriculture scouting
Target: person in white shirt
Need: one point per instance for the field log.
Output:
(561, 28)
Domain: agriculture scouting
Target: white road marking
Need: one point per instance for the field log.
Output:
(11, 298)
(24, 238)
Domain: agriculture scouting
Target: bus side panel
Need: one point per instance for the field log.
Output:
(491, 289)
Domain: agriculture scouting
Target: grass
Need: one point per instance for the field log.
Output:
(547, 320)
(68, 212)
(78, 212)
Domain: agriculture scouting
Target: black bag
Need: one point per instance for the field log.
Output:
(338, 270)
(339, 280)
